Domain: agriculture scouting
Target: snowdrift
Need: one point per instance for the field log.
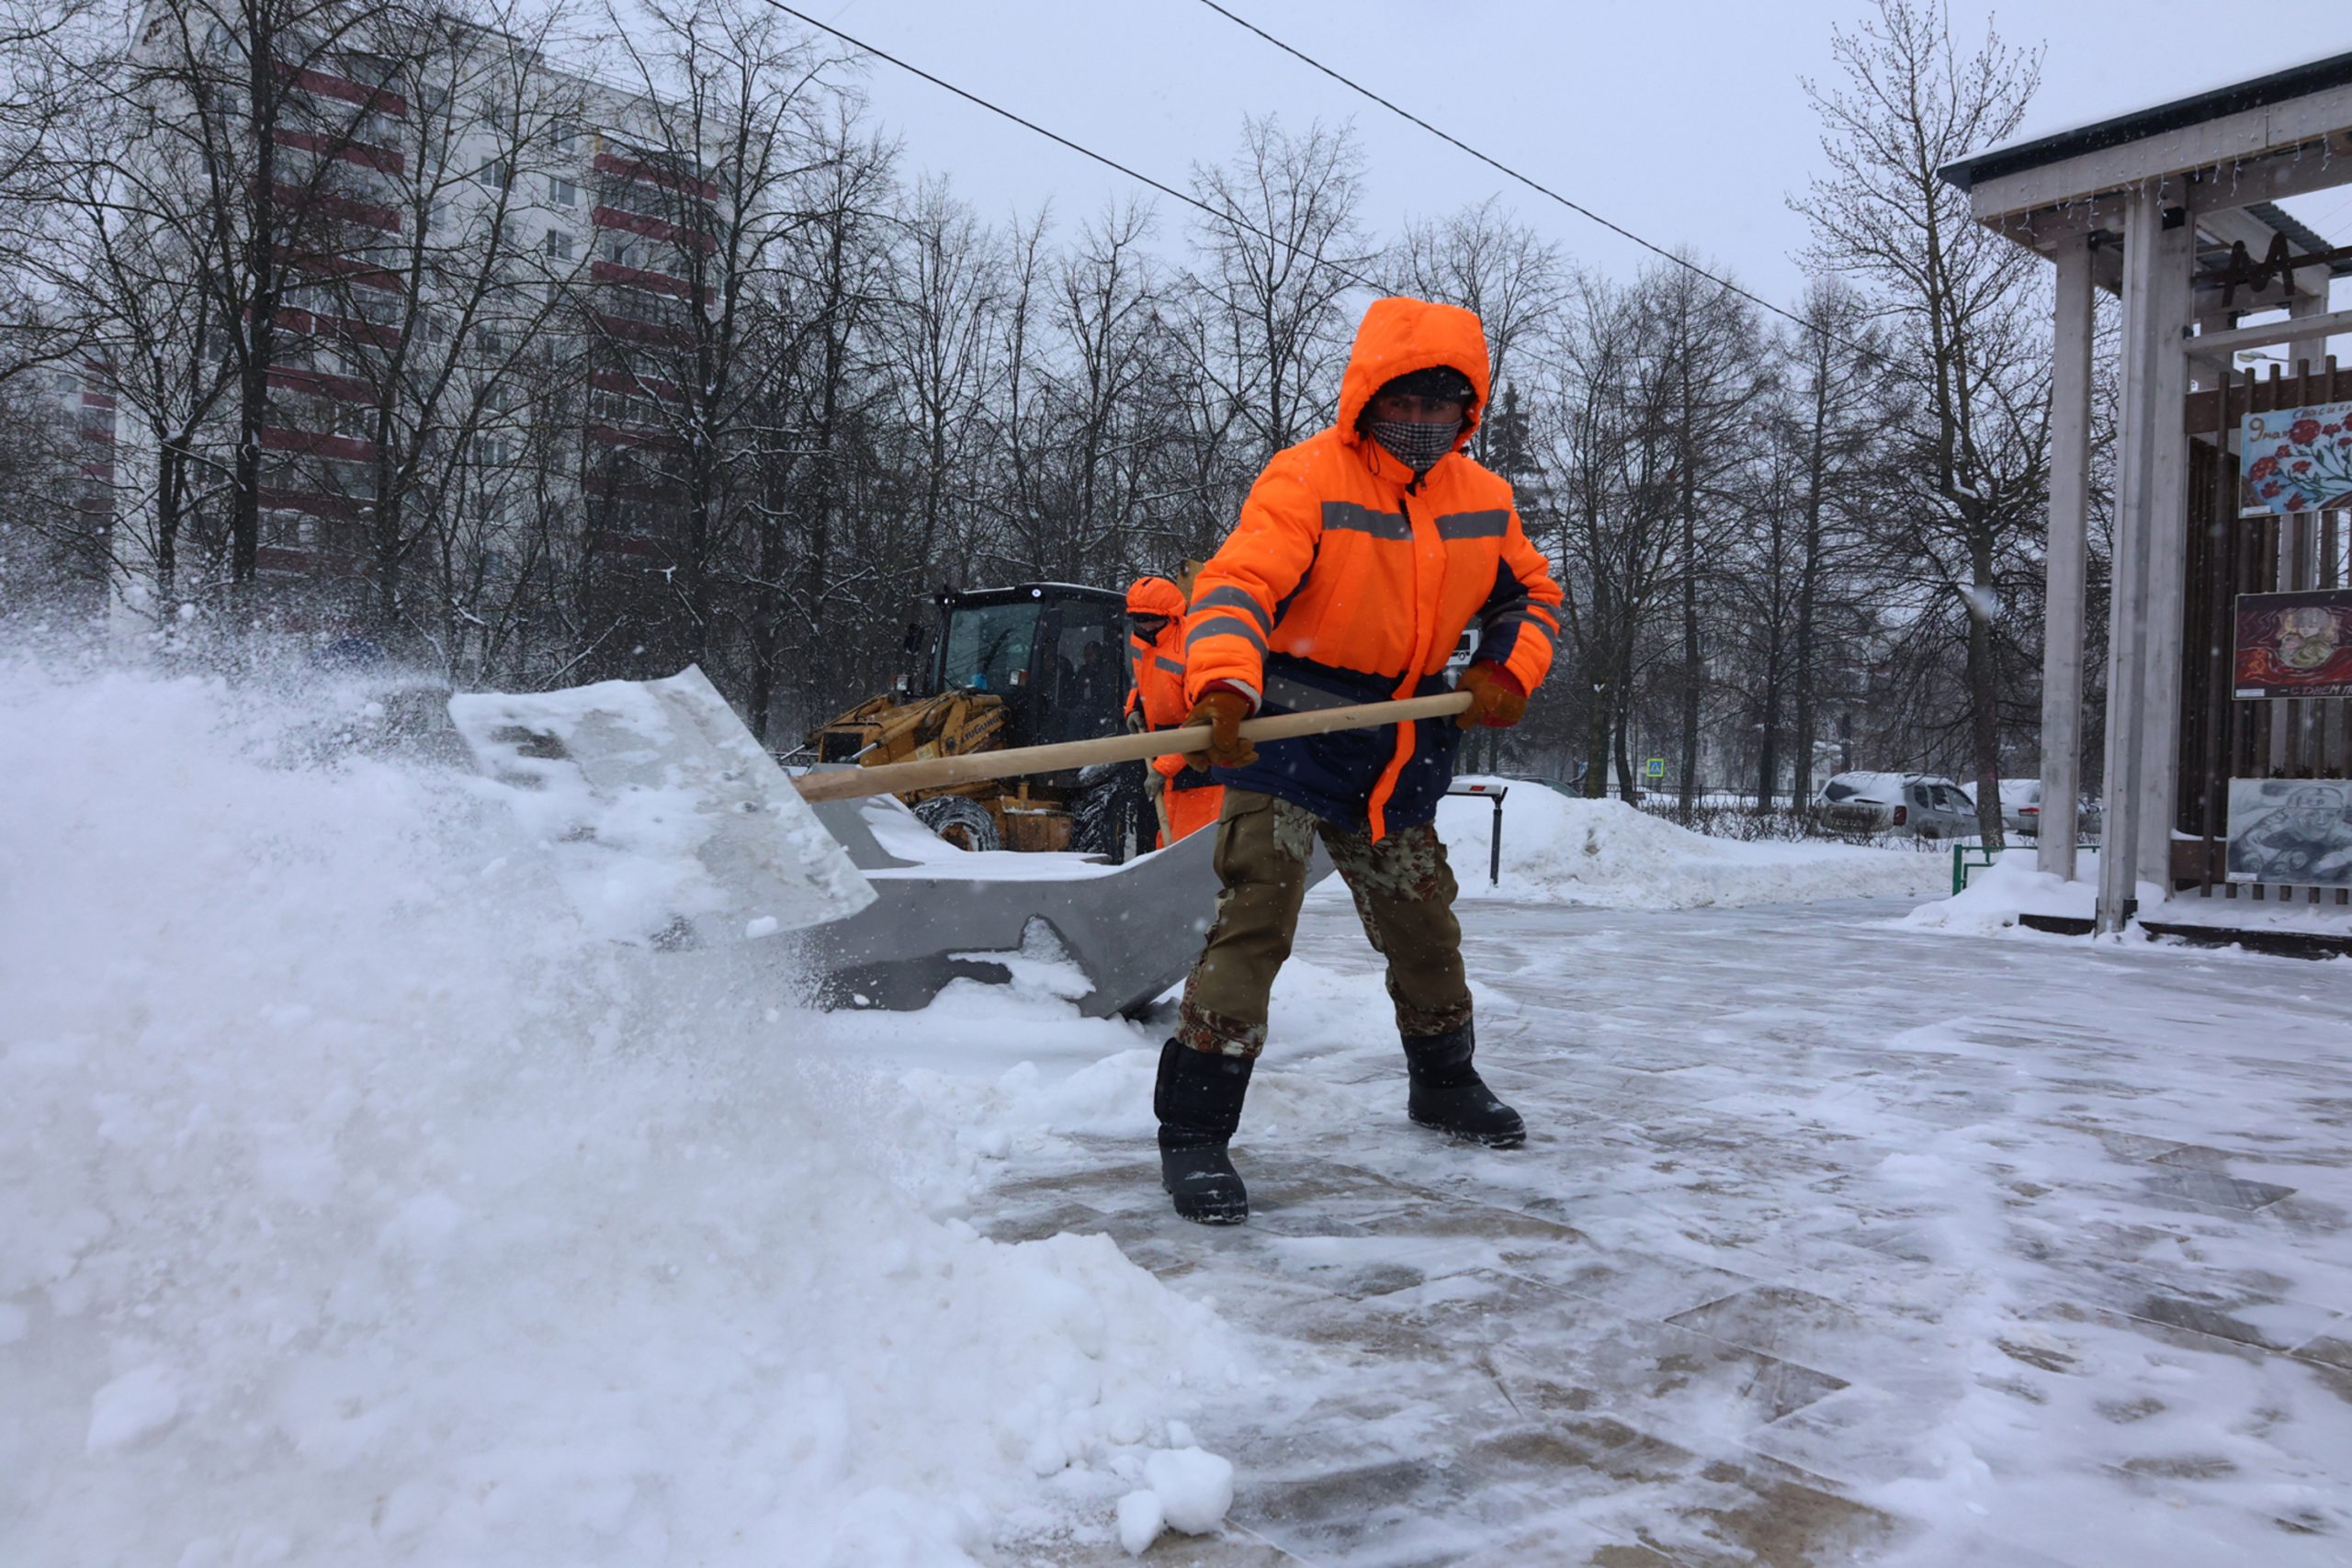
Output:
(364, 1208)
(1605, 852)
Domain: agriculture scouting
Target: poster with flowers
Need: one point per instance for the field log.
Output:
(2295, 460)
(2294, 644)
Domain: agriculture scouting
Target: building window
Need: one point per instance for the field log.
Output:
(562, 192)
(560, 245)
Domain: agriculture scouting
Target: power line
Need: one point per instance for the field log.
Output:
(1539, 189)
(1106, 161)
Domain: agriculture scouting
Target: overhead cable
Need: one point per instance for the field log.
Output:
(1234, 219)
(1543, 190)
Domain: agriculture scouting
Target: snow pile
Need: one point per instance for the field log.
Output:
(1606, 852)
(364, 1208)
(1190, 1490)
(658, 811)
(1997, 894)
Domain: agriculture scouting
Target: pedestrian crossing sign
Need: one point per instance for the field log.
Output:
(1654, 768)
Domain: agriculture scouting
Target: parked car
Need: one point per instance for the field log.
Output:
(2020, 804)
(1914, 804)
(1572, 788)
(2022, 809)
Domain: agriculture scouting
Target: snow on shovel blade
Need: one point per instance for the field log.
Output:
(669, 824)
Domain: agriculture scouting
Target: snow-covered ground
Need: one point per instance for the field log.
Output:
(362, 1208)
(1834, 1241)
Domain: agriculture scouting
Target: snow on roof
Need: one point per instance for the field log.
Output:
(2129, 115)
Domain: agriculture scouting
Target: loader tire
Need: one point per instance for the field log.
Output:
(963, 822)
(1113, 815)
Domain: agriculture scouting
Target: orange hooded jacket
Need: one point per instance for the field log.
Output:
(1158, 665)
(1346, 580)
(1190, 801)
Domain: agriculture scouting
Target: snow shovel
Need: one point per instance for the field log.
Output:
(1107, 939)
(669, 825)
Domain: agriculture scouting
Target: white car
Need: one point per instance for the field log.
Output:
(2022, 809)
(2020, 804)
(1918, 804)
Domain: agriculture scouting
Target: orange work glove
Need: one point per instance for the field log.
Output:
(1222, 709)
(1497, 699)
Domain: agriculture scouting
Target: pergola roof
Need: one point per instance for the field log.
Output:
(2118, 130)
(2226, 156)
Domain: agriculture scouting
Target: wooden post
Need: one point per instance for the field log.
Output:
(2062, 637)
(2154, 315)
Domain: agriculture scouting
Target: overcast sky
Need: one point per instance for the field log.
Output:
(1686, 122)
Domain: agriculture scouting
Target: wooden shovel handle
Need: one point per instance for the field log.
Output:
(942, 773)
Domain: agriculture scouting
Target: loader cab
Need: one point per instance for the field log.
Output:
(1056, 652)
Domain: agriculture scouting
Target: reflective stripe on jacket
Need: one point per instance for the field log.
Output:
(1347, 576)
(1159, 688)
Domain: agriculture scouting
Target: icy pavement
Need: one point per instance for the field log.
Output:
(1832, 1242)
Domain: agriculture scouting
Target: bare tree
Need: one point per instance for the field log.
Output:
(831, 269)
(457, 323)
(729, 117)
(1608, 507)
(1838, 397)
(1961, 302)
(1273, 274)
(1711, 374)
(1488, 262)
(937, 336)
(222, 170)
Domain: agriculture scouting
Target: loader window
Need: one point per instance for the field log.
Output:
(1090, 665)
(989, 647)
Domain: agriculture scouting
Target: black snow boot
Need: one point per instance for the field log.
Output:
(1198, 1101)
(1448, 1094)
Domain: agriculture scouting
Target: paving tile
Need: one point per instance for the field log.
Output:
(1666, 1382)
(2333, 1349)
(2212, 1187)
(1790, 1324)
(1016, 1224)
(2204, 1300)
(1756, 1515)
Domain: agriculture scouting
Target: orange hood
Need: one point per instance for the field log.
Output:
(1155, 596)
(1399, 336)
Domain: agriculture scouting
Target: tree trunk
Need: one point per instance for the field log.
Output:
(260, 263)
(1809, 575)
(1768, 764)
(1985, 719)
(1626, 789)
(385, 531)
(171, 488)
(1691, 671)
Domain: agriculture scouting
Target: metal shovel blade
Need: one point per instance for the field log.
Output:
(668, 822)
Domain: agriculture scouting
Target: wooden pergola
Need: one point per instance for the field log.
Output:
(2169, 206)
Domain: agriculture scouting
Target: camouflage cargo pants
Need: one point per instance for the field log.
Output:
(1403, 893)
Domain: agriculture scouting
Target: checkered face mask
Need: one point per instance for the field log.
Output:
(1416, 445)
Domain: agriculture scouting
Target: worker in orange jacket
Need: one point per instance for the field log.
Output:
(1183, 797)
(1361, 555)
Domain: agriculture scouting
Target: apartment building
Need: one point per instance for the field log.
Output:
(499, 276)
